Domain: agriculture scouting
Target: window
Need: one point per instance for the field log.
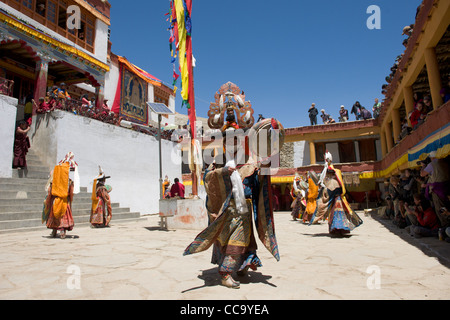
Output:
(367, 150)
(53, 15)
(62, 16)
(347, 151)
(51, 12)
(28, 4)
(320, 152)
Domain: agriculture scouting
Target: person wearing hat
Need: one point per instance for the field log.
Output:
(101, 210)
(61, 92)
(313, 112)
(332, 204)
(298, 193)
(325, 117)
(437, 187)
(343, 114)
(311, 196)
(57, 211)
(238, 195)
(41, 9)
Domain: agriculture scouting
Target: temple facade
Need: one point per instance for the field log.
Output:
(41, 50)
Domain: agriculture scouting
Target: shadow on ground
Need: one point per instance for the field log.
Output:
(431, 246)
(211, 278)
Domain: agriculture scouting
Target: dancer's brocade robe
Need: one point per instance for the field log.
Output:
(332, 205)
(230, 232)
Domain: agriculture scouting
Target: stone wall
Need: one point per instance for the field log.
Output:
(8, 111)
(287, 155)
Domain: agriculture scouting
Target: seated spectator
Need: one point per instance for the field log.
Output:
(343, 114)
(85, 102)
(418, 116)
(423, 219)
(437, 185)
(407, 186)
(405, 129)
(428, 106)
(417, 98)
(177, 189)
(365, 114)
(61, 92)
(444, 211)
(43, 106)
(105, 105)
(445, 94)
(394, 195)
(325, 117)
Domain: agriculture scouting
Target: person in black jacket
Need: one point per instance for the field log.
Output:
(356, 110)
(313, 112)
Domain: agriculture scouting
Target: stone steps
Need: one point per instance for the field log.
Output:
(22, 199)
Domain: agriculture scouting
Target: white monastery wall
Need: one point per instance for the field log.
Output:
(129, 157)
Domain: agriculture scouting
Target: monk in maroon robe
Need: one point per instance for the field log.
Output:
(21, 145)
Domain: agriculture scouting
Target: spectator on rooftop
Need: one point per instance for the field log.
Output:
(365, 114)
(356, 110)
(343, 114)
(376, 109)
(313, 112)
(325, 117)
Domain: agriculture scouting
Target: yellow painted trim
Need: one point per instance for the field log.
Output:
(35, 34)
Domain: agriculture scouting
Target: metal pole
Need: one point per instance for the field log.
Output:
(160, 158)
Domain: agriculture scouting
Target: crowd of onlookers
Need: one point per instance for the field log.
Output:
(419, 200)
(58, 98)
(360, 113)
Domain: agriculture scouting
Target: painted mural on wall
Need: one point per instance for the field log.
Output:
(134, 97)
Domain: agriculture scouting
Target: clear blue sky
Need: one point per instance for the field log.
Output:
(284, 54)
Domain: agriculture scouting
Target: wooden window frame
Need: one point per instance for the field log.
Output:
(20, 5)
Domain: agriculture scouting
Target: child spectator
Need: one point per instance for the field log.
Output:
(418, 116)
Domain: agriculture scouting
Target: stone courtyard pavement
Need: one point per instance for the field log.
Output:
(139, 261)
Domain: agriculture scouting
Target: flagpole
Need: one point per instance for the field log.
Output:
(194, 137)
